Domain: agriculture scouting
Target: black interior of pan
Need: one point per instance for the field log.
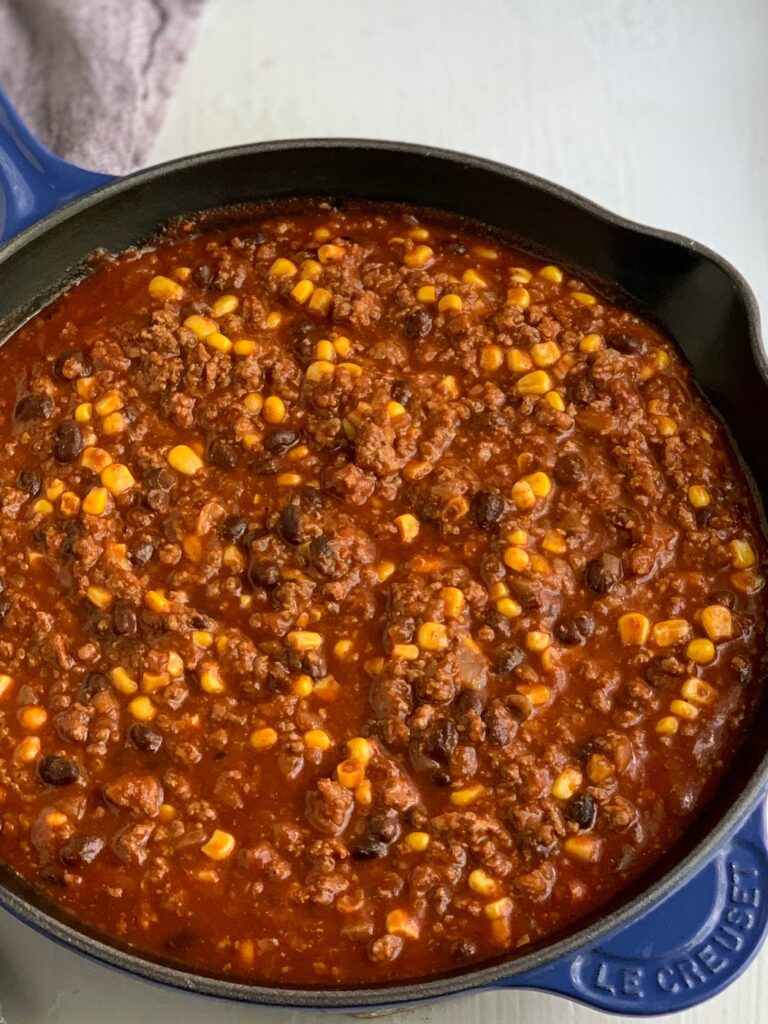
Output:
(690, 292)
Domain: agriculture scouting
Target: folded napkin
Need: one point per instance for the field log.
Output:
(91, 77)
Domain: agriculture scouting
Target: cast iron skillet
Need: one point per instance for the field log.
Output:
(693, 924)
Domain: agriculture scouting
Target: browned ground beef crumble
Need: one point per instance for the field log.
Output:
(375, 599)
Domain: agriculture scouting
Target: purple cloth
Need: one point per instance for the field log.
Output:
(91, 77)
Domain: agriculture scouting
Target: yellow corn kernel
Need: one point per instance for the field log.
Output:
(538, 382)
(201, 326)
(666, 426)
(122, 681)
(310, 270)
(28, 750)
(55, 819)
(518, 360)
(263, 739)
(84, 412)
(471, 276)
(491, 357)
(99, 597)
(566, 783)
(32, 717)
(395, 410)
(519, 297)
(288, 479)
(582, 847)
(508, 607)
(419, 256)
(317, 739)
(54, 489)
(114, 423)
(350, 773)
(184, 460)
(174, 665)
(406, 652)
(552, 274)
(167, 813)
(5, 683)
(117, 478)
(600, 768)
(426, 294)
(481, 882)
(520, 275)
(450, 304)
(399, 922)
(634, 628)
(342, 649)
(360, 749)
(245, 347)
(157, 602)
(418, 841)
(537, 640)
(151, 681)
(384, 570)
(536, 693)
(742, 554)
(540, 484)
(202, 638)
(302, 291)
(219, 342)
(671, 631)
(591, 343)
(408, 526)
(516, 558)
(321, 301)
(109, 402)
(273, 321)
(219, 846)
(42, 507)
(223, 305)
(330, 253)
(282, 268)
(164, 288)
(274, 409)
(698, 496)
(364, 793)
(485, 252)
(467, 795)
(69, 504)
(84, 387)
(518, 536)
(717, 622)
(432, 636)
(419, 234)
(302, 686)
(319, 369)
(554, 542)
(95, 459)
(498, 909)
(301, 640)
(182, 273)
(253, 402)
(545, 353)
(522, 495)
(683, 709)
(584, 298)
(697, 691)
(555, 400)
(142, 709)
(667, 726)
(701, 651)
(210, 679)
(453, 602)
(324, 351)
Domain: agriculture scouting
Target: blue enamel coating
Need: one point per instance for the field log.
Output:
(679, 952)
(33, 181)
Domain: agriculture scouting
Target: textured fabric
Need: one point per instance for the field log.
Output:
(91, 77)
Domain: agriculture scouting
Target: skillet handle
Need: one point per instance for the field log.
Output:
(33, 181)
(681, 951)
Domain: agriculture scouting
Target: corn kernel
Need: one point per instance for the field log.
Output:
(591, 343)
(554, 542)
(406, 652)
(508, 607)
(395, 410)
(274, 409)
(545, 353)
(520, 275)
(671, 631)
(566, 783)
(600, 768)
(174, 665)
(582, 847)
(321, 301)
(219, 342)
(540, 484)
(666, 426)
(471, 276)
(667, 726)
(697, 691)
(223, 305)
(167, 813)
(485, 252)
(219, 846)
(552, 274)
(330, 253)
(518, 536)
(117, 478)
(201, 326)
(54, 489)
(114, 423)
(32, 717)
(310, 270)
(151, 681)
(537, 640)
(467, 795)
(96, 459)
(408, 526)
(402, 924)
(245, 347)
(684, 709)
(519, 297)
(142, 709)
(518, 360)
(742, 555)
(717, 622)
(42, 507)
(164, 288)
(325, 351)
(282, 268)
(419, 256)
(184, 460)
(453, 602)
(450, 304)
(360, 749)
(109, 402)
(319, 369)
(426, 293)
(350, 773)
(701, 651)
(156, 601)
(491, 357)
(516, 559)
(432, 636)
(522, 495)
(69, 504)
(99, 597)
(555, 400)
(584, 298)
(302, 640)
(384, 570)
(202, 638)
(418, 841)
(302, 687)
(210, 679)
(302, 291)
(538, 382)
(481, 882)
(5, 683)
(263, 739)
(634, 628)
(364, 793)
(84, 412)
(28, 750)
(498, 909)
(122, 681)
(317, 739)
(698, 496)
(419, 234)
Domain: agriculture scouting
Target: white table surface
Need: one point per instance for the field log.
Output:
(653, 108)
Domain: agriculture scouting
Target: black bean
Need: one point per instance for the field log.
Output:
(569, 469)
(81, 850)
(263, 464)
(508, 658)
(101, 626)
(627, 344)
(487, 508)
(5, 607)
(703, 516)
(202, 275)
(579, 389)
(68, 443)
(71, 365)
(497, 723)
(601, 574)
(401, 392)
(368, 848)
(582, 810)
(309, 498)
(221, 453)
(724, 597)
(30, 481)
(575, 630)
(313, 664)
(124, 620)
(233, 529)
(659, 672)
(58, 771)
(160, 479)
(281, 441)
(384, 825)
(263, 574)
(33, 407)
(256, 238)
(440, 739)
(145, 737)
(157, 500)
(140, 551)
(289, 524)
(303, 346)
(322, 554)
(417, 324)
(470, 700)
(93, 683)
